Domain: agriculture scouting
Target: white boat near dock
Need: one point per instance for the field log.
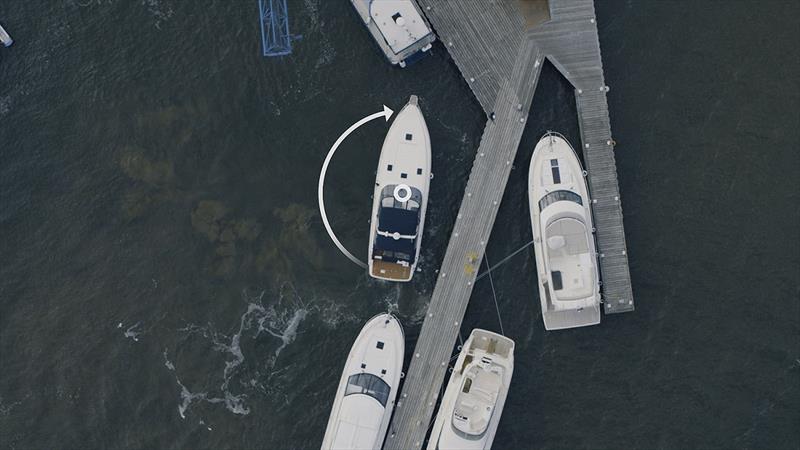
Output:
(367, 390)
(398, 27)
(563, 236)
(400, 198)
(476, 393)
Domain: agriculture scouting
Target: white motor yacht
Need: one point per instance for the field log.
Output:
(401, 197)
(561, 217)
(398, 27)
(366, 394)
(476, 393)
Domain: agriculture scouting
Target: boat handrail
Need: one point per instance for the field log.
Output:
(397, 236)
(555, 133)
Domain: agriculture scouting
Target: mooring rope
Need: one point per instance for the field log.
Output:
(502, 261)
(494, 294)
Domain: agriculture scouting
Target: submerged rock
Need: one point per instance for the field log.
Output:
(207, 218)
(294, 242)
(136, 165)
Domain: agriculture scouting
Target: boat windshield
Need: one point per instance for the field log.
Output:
(557, 196)
(368, 384)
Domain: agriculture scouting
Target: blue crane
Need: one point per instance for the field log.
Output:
(275, 37)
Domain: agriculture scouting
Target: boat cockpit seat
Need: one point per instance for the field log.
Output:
(556, 242)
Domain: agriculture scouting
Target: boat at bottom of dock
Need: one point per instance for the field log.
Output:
(476, 393)
(368, 387)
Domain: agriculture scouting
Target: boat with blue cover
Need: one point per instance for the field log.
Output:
(400, 198)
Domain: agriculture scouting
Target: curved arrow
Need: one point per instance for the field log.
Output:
(387, 112)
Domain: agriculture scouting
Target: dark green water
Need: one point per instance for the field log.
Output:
(166, 281)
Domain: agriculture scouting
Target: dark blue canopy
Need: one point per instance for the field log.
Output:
(405, 246)
(396, 220)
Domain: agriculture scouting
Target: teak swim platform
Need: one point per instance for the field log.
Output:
(499, 46)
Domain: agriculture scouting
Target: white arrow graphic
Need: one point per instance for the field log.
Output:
(387, 112)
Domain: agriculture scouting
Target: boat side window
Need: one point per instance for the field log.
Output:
(368, 384)
(557, 196)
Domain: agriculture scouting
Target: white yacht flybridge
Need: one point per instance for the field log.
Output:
(366, 394)
(476, 393)
(401, 197)
(398, 27)
(561, 217)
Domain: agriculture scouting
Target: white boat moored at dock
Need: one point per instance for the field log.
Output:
(5, 38)
(367, 390)
(400, 198)
(398, 27)
(561, 217)
(476, 393)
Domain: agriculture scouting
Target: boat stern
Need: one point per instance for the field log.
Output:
(571, 318)
(390, 271)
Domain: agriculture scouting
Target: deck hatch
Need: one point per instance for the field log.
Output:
(379, 345)
(556, 171)
(389, 167)
(403, 175)
(409, 136)
(558, 283)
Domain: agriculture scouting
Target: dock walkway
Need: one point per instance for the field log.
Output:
(500, 56)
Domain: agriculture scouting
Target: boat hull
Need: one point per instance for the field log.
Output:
(367, 390)
(557, 191)
(483, 354)
(397, 52)
(400, 197)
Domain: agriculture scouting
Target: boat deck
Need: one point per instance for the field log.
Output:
(390, 270)
(500, 53)
(398, 42)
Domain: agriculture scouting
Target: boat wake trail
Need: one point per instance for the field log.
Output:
(274, 321)
(133, 331)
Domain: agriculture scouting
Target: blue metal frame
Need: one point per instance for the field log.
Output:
(275, 37)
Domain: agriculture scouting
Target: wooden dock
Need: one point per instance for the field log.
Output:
(500, 54)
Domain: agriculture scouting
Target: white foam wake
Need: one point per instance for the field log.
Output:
(281, 323)
(133, 331)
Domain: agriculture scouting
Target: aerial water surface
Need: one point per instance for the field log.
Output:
(166, 280)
